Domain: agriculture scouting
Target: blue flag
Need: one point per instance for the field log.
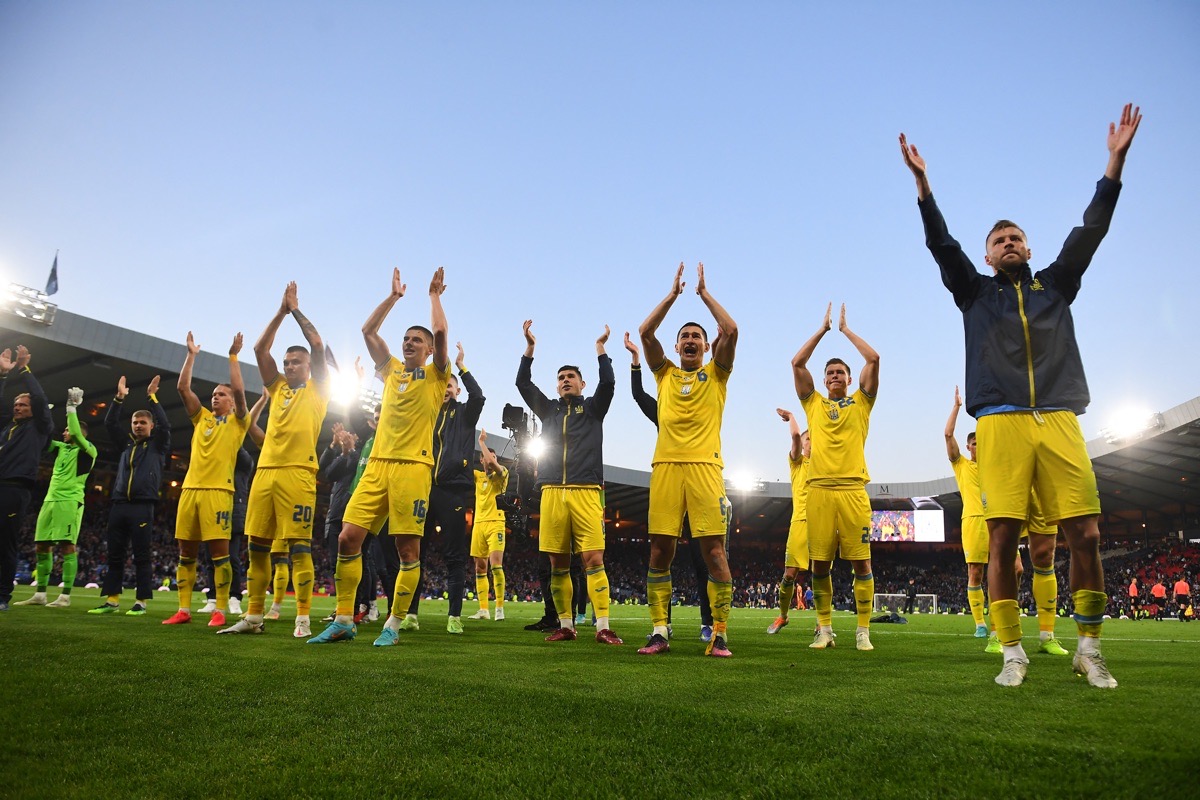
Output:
(52, 281)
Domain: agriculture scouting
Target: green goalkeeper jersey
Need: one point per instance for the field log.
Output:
(73, 463)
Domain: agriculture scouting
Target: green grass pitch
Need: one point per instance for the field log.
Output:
(116, 706)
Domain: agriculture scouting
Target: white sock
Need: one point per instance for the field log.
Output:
(1089, 645)
(601, 623)
(661, 630)
(1045, 635)
(566, 622)
(1015, 651)
(826, 629)
(301, 618)
(392, 623)
(254, 619)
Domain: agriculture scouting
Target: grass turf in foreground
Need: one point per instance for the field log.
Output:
(125, 707)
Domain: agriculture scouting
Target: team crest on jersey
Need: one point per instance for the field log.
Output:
(834, 414)
(703, 376)
(1036, 286)
(685, 389)
(579, 409)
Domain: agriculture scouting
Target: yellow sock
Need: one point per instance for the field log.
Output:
(597, 585)
(302, 577)
(258, 574)
(406, 583)
(822, 586)
(1089, 611)
(787, 590)
(114, 599)
(1045, 594)
(658, 595)
(481, 589)
(864, 593)
(185, 578)
(279, 561)
(1006, 615)
(720, 598)
(498, 585)
(563, 591)
(222, 577)
(346, 577)
(975, 601)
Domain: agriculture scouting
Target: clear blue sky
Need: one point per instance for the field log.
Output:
(559, 159)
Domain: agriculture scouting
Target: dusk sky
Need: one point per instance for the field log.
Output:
(561, 159)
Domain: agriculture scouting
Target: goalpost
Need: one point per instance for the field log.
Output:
(924, 604)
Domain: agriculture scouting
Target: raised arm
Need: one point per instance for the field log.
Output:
(645, 402)
(607, 384)
(257, 434)
(191, 403)
(39, 404)
(235, 378)
(475, 399)
(797, 448)
(952, 451)
(916, 164)
(376, 347)
(268, 369)
(486, 457)
(162, 423)
(533, 397)
(648, 329)
(1120, 136)
(725, 344)
(800, 374)
(868, 379)
(437, 321)
(74, 400)
(316, 345)
(113, 417)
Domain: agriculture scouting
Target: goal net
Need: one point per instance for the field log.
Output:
(924, 603)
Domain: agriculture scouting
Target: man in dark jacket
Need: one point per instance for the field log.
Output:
(135, 495)
(571, 480)
(1025, 386)
(24, 436)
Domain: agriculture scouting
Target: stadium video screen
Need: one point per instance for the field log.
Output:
(921, 525)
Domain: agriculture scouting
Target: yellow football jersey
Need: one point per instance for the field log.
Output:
(487, 489)
(215, 444)
(966, 475)
(838, 429)
(294, 424)
(799, 469)
(690, 408)
(410, 407)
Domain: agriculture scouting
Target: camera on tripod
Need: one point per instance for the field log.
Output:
(520, 499)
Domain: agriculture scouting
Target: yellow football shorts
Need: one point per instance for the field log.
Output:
(572, 519)
(487, 537)
(697, 490)
(396, 492)
(282, 503)
(1043, 450)
(797, 545)
(203, 515)
(839, 518)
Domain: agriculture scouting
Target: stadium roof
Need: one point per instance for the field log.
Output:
(1150, 478)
